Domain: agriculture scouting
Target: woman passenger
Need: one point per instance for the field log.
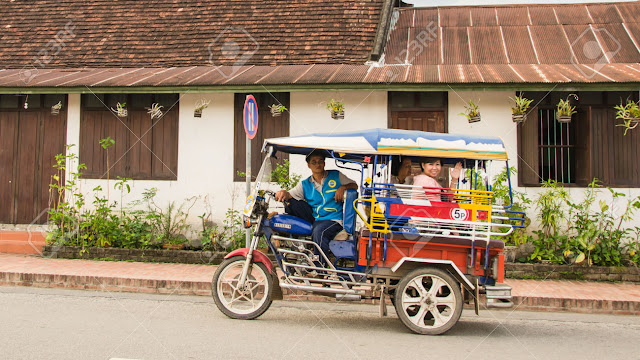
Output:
(431, 168)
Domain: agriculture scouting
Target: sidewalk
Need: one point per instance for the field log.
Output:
(185, 279)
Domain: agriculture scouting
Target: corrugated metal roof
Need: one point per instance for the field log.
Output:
(327, 74)
(518, 34)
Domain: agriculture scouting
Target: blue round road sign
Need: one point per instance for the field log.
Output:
(250, 117)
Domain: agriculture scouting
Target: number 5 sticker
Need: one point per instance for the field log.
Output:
(458, 214)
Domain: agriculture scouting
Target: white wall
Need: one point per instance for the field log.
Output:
(205, 148)
(363, 110)
(205, 157)
(495, 108)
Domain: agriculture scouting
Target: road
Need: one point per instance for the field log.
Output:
(71, 324)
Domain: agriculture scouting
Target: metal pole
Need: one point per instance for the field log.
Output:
(248, 181)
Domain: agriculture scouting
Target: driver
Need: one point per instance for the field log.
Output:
(318, 200)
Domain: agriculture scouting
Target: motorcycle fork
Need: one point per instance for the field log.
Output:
(249, 260)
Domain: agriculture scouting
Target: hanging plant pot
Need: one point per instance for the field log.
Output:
(122, 113)
(474, 119)
(55, 109)
(564, 119)
(337, 115)
(197, 113)
(275, 112)
(518, 118)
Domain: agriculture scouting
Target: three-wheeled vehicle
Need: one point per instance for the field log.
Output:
(429, 250)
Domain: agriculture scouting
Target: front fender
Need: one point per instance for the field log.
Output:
(257, 256)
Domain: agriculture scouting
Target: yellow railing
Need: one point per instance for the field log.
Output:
(376, 221)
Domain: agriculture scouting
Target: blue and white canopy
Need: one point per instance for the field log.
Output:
(395, 142)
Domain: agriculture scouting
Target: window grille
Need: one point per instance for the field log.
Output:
(556, 147)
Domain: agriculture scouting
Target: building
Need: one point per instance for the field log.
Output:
(399, 67)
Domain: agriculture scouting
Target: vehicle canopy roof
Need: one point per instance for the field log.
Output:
(394, 142)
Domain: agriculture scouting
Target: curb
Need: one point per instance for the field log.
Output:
(200, 288)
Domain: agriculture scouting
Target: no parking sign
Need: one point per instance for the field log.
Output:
(250, 117)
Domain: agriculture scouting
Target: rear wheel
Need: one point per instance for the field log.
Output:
(428, 301)
(246, 302)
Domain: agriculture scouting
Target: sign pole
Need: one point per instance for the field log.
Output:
(250, 122)
(248, 181)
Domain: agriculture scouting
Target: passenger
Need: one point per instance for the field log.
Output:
(401, 170)
(431, 168)
(318, 200)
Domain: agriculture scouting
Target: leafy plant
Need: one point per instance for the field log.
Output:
(155, 111)
(277, 109)
(122, 184)
(106, 143)
(168, 223)
(335, 106)
(471, 110)
(589, 232)
(564, 107)
(201, 105)
(282, 176)
(629, 113)
(121, 109)
(521, 105)
(501, 195)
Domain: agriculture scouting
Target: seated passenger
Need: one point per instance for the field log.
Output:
(401, 170)
(431, 168)
(318, 200)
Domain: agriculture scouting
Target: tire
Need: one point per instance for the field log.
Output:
(428, 301)
(250, 304)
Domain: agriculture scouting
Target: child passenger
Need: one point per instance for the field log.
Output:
(431, 168)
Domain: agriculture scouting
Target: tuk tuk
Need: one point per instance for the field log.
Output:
(428, 255)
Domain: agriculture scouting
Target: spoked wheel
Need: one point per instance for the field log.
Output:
(247, 302)
(428, 301)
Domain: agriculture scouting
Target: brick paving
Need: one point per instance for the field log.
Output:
(542, 295)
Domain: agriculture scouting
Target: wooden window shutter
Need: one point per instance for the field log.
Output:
(528, 161)
(583, 148)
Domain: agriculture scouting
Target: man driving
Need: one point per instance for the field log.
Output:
(318, 199)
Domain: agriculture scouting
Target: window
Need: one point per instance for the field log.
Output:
(589, 147)
(268, 127)
(144, 149)
(424, 111)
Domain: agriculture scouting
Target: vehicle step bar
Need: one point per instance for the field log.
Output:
(321, 289)
(499, 296)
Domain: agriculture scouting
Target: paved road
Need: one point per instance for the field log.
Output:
(70, 324)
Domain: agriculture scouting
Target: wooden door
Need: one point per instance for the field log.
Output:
(29, 141)
(432, 121)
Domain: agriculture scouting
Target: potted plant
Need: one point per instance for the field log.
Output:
(277, 109)
(519, 111)
(200, 105)
(155, 111)
(565, 110)
(121, 110)
(472, 113)
(629, 113)
(55, 109)
(336, 108)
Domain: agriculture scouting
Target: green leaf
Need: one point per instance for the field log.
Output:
(580, 258)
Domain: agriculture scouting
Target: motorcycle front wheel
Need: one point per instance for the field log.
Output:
(246, 302)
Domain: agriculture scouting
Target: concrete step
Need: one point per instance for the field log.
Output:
(22, 242)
